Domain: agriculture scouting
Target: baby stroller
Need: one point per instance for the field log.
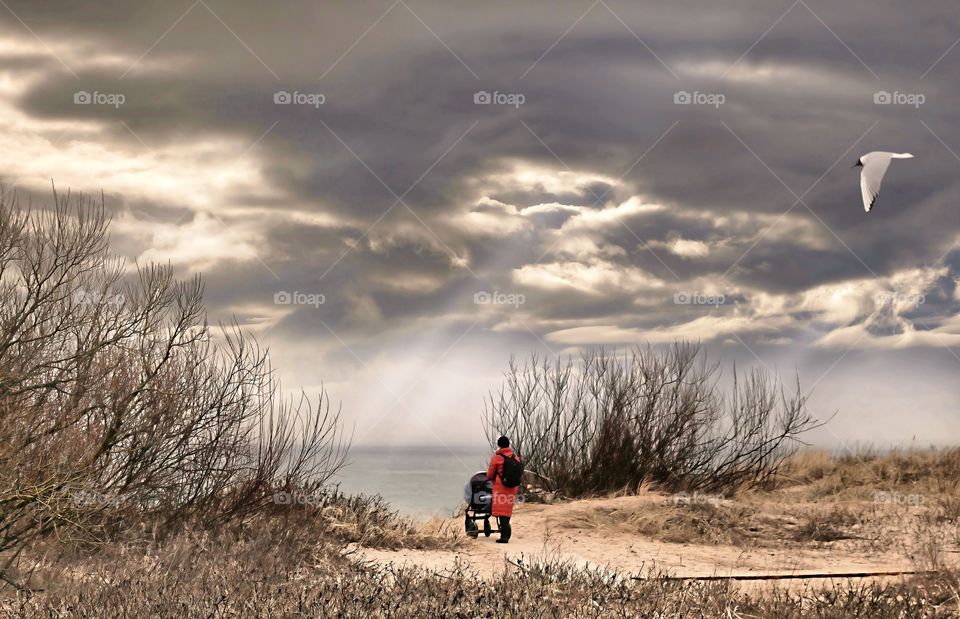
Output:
(478, 494)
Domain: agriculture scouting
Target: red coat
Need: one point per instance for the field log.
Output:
(503, 497)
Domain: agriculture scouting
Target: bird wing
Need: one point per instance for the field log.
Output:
(870, 177)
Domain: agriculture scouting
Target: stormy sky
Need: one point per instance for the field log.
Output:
(396, 196)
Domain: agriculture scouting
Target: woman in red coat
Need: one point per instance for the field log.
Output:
(503, 497)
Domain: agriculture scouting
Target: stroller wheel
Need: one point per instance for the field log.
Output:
(487, 531)
(470, 527)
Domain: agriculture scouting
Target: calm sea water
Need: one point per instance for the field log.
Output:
(419, 481)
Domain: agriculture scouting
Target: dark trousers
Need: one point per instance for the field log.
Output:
(503, 523)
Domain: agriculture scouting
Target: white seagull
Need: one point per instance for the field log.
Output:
(874, 166)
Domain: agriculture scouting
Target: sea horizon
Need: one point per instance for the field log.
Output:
(419, 481)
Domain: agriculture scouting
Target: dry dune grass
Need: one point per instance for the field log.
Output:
(681, 520)
(866, 501)
(371, 522)
(933, 471)
(712, 521)
(272, 576)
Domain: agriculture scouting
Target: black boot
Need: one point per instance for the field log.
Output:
(503, 523)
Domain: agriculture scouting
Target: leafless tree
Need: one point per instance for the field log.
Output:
(117, 402)
(611, 422)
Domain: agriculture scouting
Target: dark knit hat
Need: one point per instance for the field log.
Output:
(502, 442)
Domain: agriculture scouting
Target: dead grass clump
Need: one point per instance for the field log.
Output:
(827, 526)
(947, 509)
(926, 549)
(700, 522)
(815, 531)
(806, 466)
(696, 521)
(368, 521)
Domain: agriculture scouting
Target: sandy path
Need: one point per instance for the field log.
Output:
(545, 531)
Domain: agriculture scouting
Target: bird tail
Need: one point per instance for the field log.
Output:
(902, 156)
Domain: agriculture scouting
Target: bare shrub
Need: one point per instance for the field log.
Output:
(116, 402)
(612, 422)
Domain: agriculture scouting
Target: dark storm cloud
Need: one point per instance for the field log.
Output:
(528, 198)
